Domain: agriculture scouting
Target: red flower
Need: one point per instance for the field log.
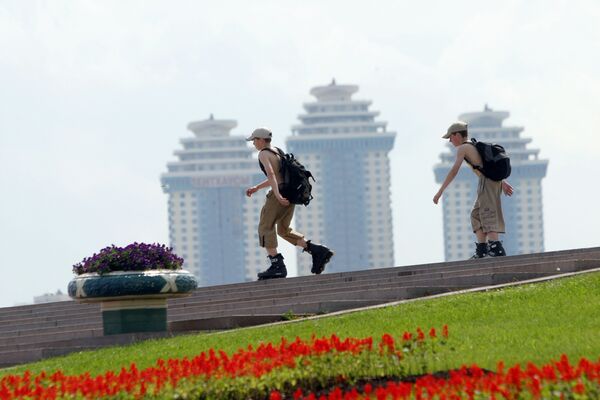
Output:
(445, 331)
(275, 395)
(579, 387)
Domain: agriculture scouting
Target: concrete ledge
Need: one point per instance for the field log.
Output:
(227, 322)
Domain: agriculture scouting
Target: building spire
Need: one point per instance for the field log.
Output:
(334, 92)
(212, 126)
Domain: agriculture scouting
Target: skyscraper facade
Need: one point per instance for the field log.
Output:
(346, 149)
(523, 212)
(212, 224)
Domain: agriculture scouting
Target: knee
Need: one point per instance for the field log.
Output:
(281, 231)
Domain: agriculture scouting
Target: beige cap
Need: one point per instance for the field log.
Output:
(458, 126)
(260, 133)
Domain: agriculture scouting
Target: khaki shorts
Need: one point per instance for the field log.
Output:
(487, 210)
(273, 215)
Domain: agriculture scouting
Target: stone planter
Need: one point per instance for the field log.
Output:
(132, 301)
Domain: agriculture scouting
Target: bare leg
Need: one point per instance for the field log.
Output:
(481, 236)
(272, 251)
(492, 236)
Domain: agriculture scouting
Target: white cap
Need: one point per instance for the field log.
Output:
(458, 126)
(260, 133)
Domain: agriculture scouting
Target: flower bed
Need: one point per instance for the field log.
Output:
(134, 257)
(556, 380)
(319, 368)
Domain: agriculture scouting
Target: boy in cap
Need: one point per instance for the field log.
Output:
(487, 220)
(276, 215)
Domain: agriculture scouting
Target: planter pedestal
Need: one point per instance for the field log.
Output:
(128, 316)
(133, 301)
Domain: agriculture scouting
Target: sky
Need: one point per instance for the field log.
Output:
(95, 96)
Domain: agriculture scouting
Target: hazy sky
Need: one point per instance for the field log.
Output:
(95, 95)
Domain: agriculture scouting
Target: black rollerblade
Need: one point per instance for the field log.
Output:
(495, 249)
(481, 251)
(320, 255)
(276, 270)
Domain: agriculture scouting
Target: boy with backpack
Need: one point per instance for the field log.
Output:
(276, 215)
(491, 165)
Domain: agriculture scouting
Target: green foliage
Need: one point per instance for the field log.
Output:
(526, 323)
(289, 316)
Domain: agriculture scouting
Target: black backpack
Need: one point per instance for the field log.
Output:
(496, 164)
(296, 186)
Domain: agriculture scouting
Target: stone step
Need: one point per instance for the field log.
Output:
(453, 279)
(344, 276)
(63, 347)
(28, 333)
(200, 309)
(40, 340)
(405, 270)
(39, 309)
(91, 323)
(384, 291)
(71, 319)
(280, 287)
(382, 294)
(57, 347)
(70, 308)
(50, 324)
(226, 322)
(275, 293)
(25, 341)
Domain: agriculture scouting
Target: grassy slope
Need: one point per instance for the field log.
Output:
(526, 323)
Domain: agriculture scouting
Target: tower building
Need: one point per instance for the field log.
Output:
(212, 224)
(523, 212)
(340, 141)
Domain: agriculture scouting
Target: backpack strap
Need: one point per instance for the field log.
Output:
(279, 152)
(473, 142)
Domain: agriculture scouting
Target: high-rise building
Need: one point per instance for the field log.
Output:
(523, 212)
(346, 149)
(212, 224)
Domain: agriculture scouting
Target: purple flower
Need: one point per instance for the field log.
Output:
(134, 257)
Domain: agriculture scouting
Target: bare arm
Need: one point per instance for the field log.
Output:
(507, 188)
(460, 156)
(253, 189)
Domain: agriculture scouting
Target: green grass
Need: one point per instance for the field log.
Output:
(534, 323)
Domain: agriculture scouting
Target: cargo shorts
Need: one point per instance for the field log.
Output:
(275, 218)
(487, 210)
